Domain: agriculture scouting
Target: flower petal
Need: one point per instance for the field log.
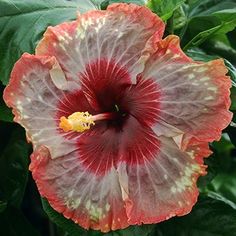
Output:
(142, 100)
(194, 96)
(84, 185)
(92, 201)
(34, 97)
(148, 180)
(118, 34)
(164, 186)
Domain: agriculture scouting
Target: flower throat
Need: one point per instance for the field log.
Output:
(82, 121)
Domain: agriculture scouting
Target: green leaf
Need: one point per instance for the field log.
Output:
(66, 224)
(220, 45)
(205, 25)
(5, 112)
(138, 2)
(14, 168)
(207, 7)
(74, 229)
(217, 196)
(180, 17)
(232, 71)
(88, 4)
(23, 22)
(164, 8)
(209, 217)
(231, 130)
(3, 206)
(219, 162)
(232, 74)
(224, 185)
(231, 37)
(199, 55)
(14, 223)
(144, 230)
(222, 151)
(204, 28)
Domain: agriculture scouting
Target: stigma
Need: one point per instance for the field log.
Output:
(82, 121)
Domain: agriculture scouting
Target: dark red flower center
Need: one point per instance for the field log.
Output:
(125, 135)
(104, 84)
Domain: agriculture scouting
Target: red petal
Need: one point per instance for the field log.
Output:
(162, 187)
(89, 200)
(118, 34)
(141, 100)
(194, 96)
(34, 97)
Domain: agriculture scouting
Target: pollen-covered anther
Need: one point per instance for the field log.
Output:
(78, 121)
(82, 121)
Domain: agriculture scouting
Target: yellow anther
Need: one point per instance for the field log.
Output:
(65, 124)
(78, 121)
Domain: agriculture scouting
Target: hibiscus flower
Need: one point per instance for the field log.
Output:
(119, 118)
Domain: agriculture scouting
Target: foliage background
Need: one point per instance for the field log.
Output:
(207, 31)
